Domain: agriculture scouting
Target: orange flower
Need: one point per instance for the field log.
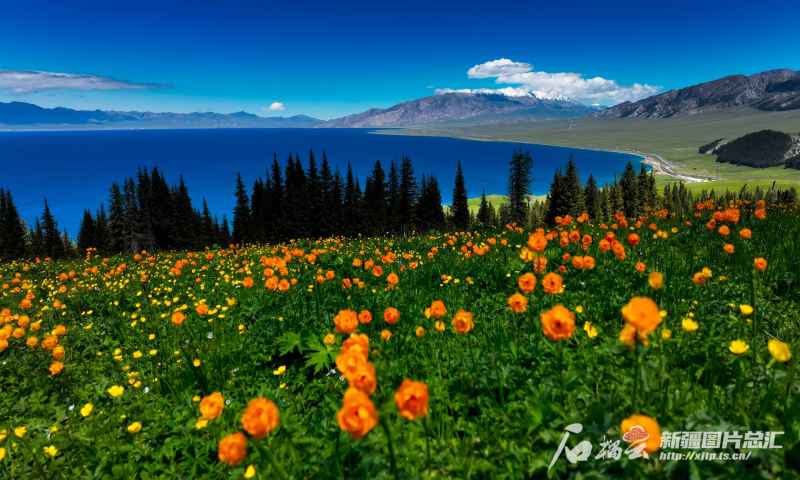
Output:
(640, 267)
(760, 263)
(177, 318)
(577, 262)
(728, 248)
(604, 245)
(350, 360)
(391, 315)
(56, 367)
(438, 309)
(527, 282)
(746, 233)
(346, 321)
(462, 322)
(211, 406)
(260, 417)
(50, 342)
(633, 239)
(386, 335)
(628, 335)
(558, 323)
(283, 285)
(761, 214)
(358, 415)
(364, 378)
(439, 326)
(552, 283)
(699, 278)
(248, 282)
(539, 264)
(649, 425)
(588, 262)
(412, 399)
(517, 303)
(202, 309)
(357, 341)
(642, 313)
(537, 242)
(377, 270)
(392, 279)
(232, 449)
(58, 352)
(724, 230)
(365, 316)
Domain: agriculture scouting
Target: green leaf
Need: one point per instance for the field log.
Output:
(320, 358)
(288, 342)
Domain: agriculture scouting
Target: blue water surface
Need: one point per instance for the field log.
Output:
(74, 169)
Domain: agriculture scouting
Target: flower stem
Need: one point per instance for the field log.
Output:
(391, 447)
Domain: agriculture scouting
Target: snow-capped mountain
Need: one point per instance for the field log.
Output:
(481, 105)
(510, 92)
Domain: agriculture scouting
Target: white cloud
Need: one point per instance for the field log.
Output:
(496, 68)
(573, 85)
(21, 81)
(430, 86)
(275, 106)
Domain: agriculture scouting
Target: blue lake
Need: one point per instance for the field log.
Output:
(74, 169)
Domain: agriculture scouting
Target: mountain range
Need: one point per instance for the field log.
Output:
(485, 105)
(20, 113)
(771, 90)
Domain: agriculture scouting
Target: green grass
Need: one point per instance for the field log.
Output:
(495, 200)
(676, 139)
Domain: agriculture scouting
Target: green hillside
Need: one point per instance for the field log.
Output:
(676, 139)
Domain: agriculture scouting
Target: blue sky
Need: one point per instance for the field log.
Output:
(328, 59)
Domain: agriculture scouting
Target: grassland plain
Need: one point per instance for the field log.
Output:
(456, 355)
(676, 139)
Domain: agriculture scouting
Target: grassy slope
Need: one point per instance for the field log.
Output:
(676, 139)
(495, 200)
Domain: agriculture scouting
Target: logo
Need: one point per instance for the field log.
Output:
(636, 434)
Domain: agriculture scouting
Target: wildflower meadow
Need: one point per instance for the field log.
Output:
(466, 354)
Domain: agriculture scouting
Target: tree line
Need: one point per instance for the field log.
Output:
(316, 201)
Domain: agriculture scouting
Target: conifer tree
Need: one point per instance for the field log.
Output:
(519, 185)
(351, 204)
(407, 197)
(459, 207)
(375, 201)
(484, 216)
(558, 205)
(277, 203)
(102, 232)
(313, 198)
(393, 197)
(12, 230)
(573, 190)
(592, 200)
(241, 213)
(325, 198)
(51, 238)
(87, 235)
(630, 191)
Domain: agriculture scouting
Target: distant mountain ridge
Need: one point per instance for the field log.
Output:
(451, 105)
(770, 91)
(20, 113)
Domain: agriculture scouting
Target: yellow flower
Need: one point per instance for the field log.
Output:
(250, 472)
(87, 409)
(689, 325)
(3, 434)
(137, 354)
(738, 346)
(196, 362)
(656, 280)
(280, 370)
(330, 339)
(579, 309)
(666, 333)
(153, 352)
(134, 427)
(51, 450)
(2, 453)
(20, 431)
(746, 309)
(201, 423)
(116, 391)
(196, 398)
(779, 350)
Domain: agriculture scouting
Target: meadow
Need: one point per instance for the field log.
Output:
(676, 139)
(443, 355)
